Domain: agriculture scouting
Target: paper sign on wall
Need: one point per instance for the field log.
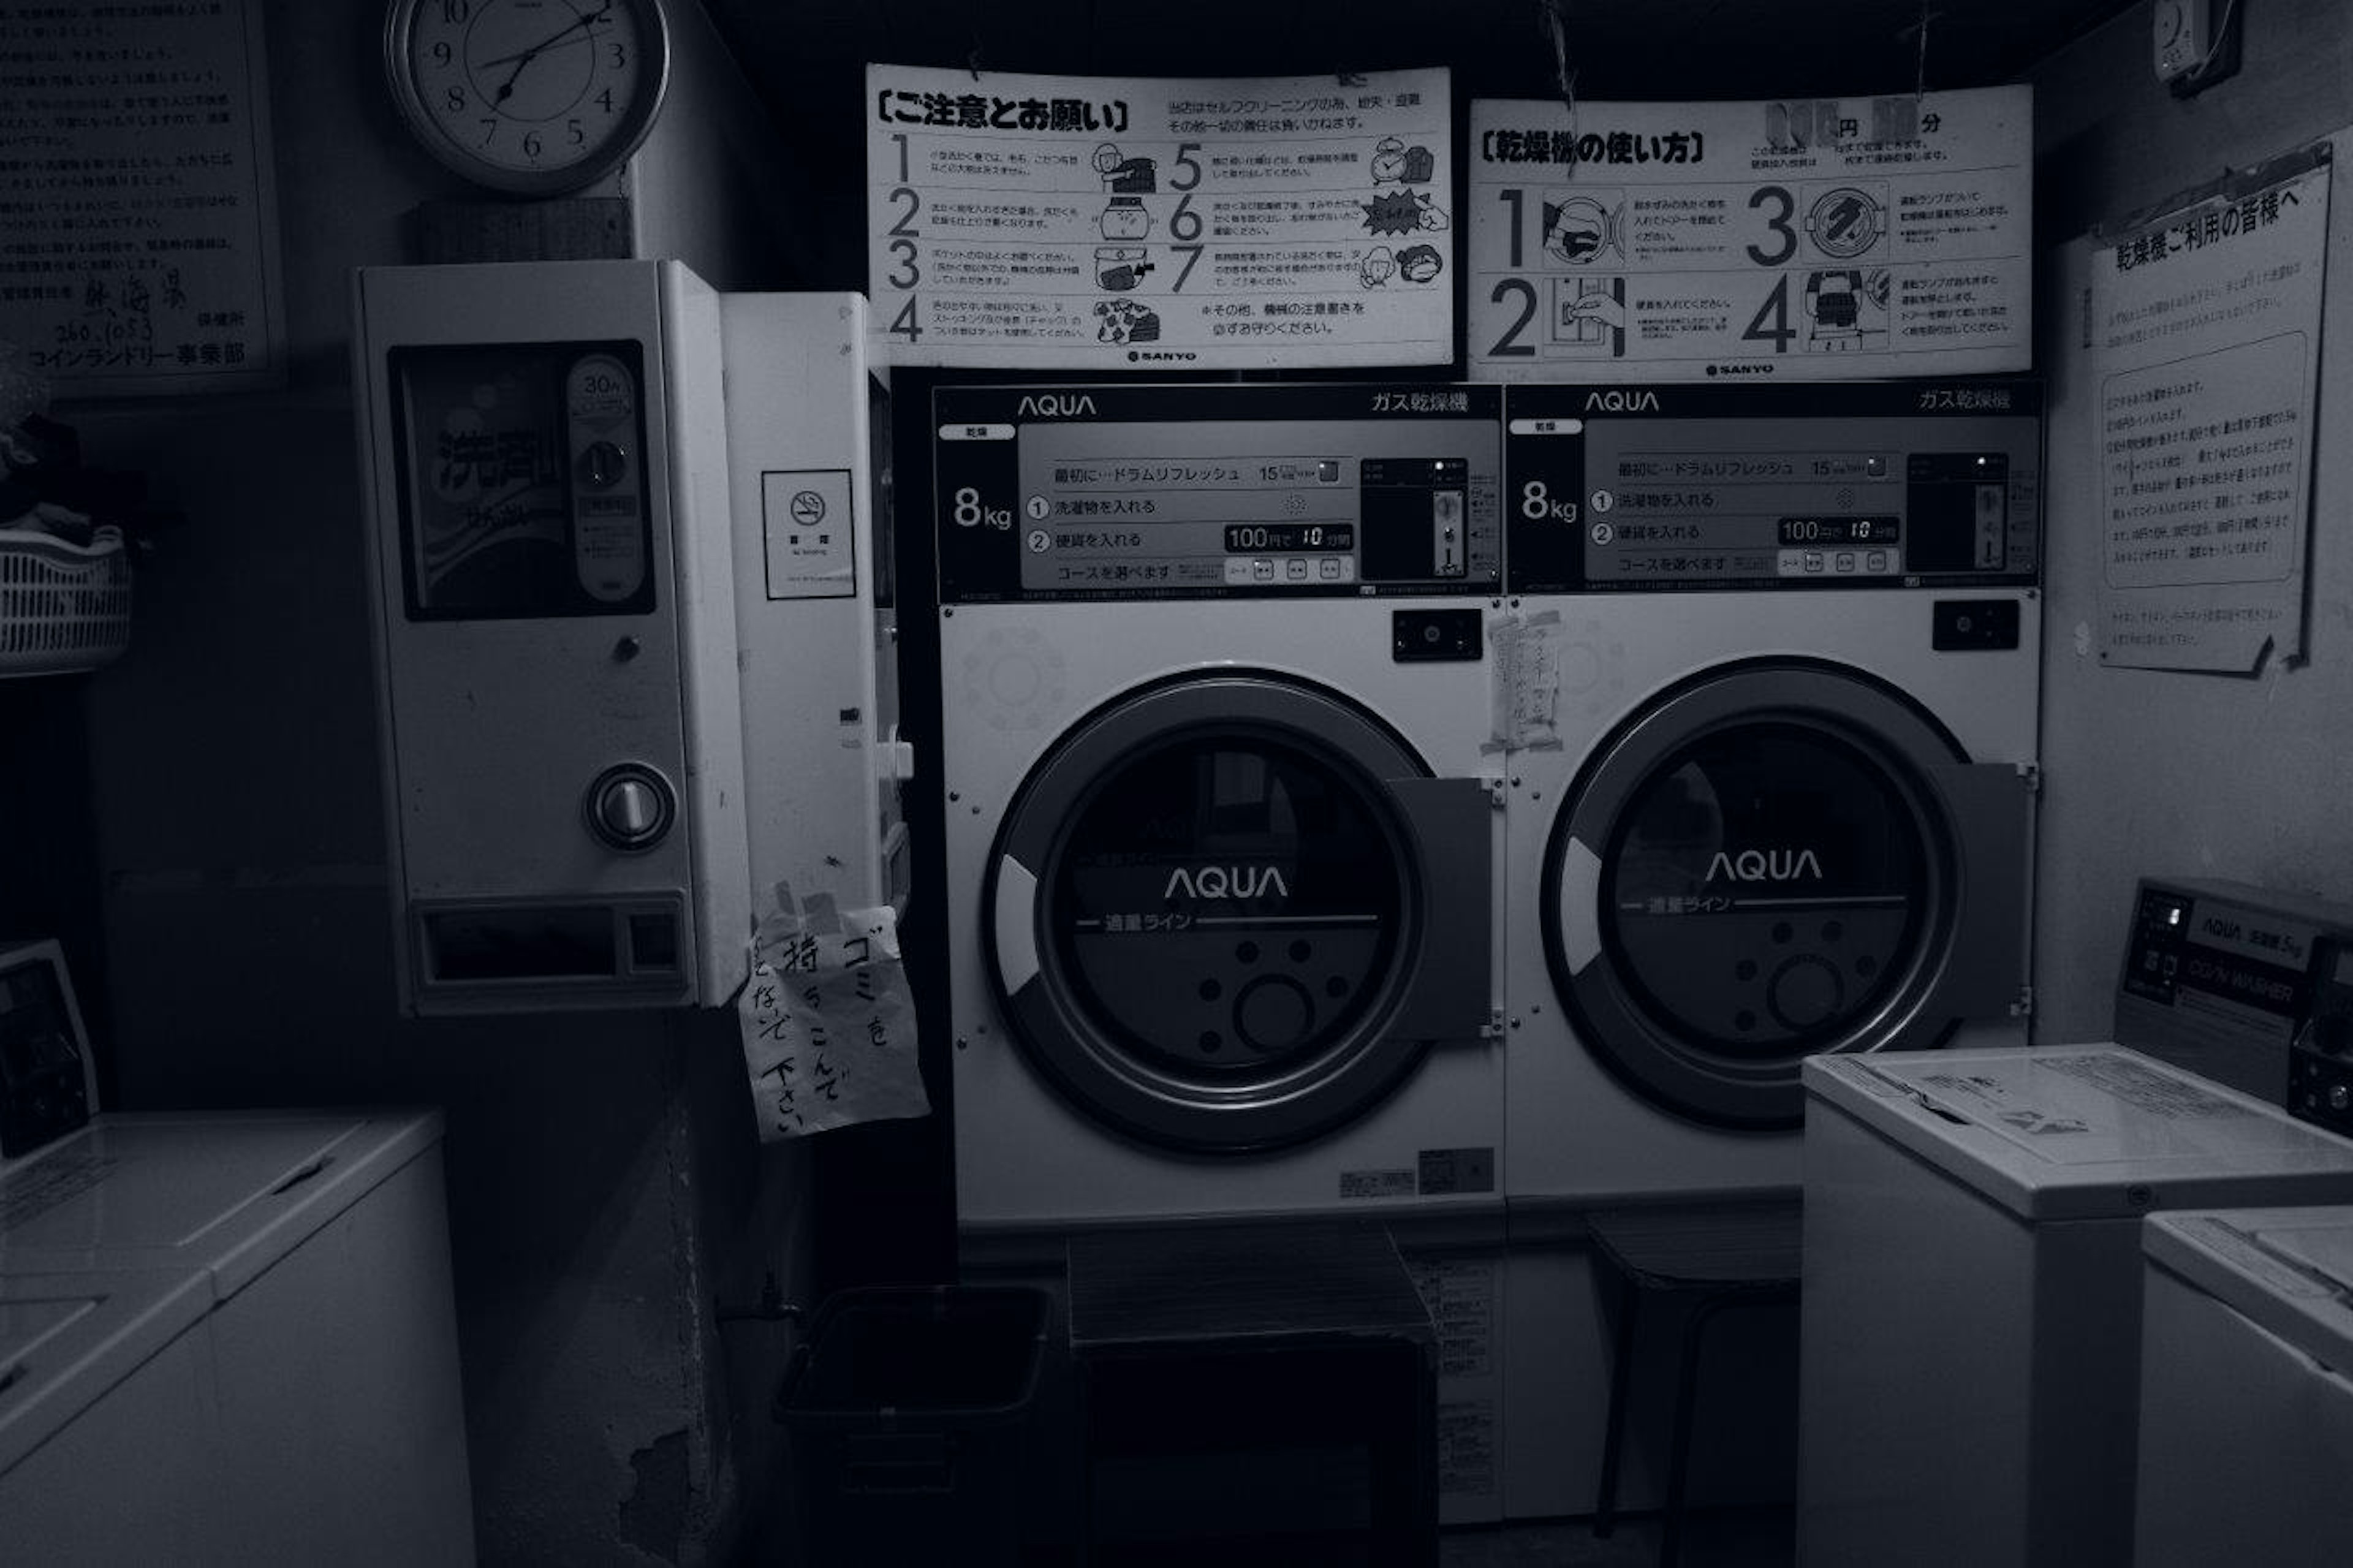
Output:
(141, 253)
(1105, 223)
(1803, 239)
(2205, 334)
(827, 1022)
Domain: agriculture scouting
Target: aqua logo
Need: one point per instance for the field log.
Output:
(1621, 402)
(1765, 866)
(1056, 406)
(1226, 882)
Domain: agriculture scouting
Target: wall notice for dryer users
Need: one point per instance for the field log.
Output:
(1098, 222)
(2206, 351)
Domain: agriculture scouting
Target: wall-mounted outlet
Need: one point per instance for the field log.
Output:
(2182, 33)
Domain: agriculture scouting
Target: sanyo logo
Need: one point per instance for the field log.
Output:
(1056, 406)
(1226, 882)
(1765, 866)
(1621, 402)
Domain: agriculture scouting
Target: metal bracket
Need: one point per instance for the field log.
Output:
(2030, 774)
(2023, 1004)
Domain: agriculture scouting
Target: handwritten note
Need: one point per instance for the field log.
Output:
(827, 1023)
(140, 254)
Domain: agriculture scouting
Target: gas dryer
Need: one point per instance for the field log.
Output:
(1221, 831)
(1770, 669)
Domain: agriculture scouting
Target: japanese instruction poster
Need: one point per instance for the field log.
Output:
(1098, 224)
(139, 249)
(2206, 335)
(1806, 239)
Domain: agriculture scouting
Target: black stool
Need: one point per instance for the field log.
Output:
(1720, 1257)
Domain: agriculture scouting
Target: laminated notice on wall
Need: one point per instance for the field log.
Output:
(2206, 339)
(140, 189)
(1802, 239)
(828, 1025)
(1102, 223)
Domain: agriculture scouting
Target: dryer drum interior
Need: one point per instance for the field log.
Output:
(1214, 921)
(1768, 862)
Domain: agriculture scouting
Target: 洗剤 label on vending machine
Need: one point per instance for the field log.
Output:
(1119, 223)
(1808, 239)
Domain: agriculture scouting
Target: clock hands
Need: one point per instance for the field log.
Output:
(524, 57)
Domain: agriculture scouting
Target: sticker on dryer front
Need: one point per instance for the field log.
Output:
(1445, 1171)
(1397, 1183)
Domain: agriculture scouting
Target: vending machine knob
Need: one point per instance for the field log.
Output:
(630, 806)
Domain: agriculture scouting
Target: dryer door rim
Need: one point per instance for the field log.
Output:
(1964, 827)
(1323, 1076)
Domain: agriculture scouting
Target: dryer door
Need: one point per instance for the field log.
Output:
(1774, 860)
(1232, 912)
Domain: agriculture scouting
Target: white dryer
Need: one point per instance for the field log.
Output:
(1221, 830)
(1771, 671)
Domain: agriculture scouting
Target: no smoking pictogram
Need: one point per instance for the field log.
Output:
(807, 507)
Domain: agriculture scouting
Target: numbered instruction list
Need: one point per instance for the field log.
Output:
(1806, 239)
(1086, 223)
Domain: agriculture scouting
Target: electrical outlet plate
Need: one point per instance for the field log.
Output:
(2182, 34)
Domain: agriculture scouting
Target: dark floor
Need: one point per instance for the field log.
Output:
(1712, 1538)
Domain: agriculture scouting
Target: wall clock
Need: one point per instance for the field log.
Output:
(535, 97)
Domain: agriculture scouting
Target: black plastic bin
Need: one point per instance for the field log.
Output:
(907, 1409)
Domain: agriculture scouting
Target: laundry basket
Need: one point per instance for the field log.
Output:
(63, 607)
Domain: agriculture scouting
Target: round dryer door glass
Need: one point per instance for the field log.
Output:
(1210, 914)
(1762, 893)
(1227, 906)
(1763, 865)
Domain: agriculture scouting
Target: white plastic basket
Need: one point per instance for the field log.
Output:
(63, 607)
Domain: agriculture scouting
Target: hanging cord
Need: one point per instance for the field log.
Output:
(1553, 16)
(1920, 81)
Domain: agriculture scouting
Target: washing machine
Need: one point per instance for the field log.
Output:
(2246, 1388)
(1976, 1225)
(1222, 800)
(1770, 674)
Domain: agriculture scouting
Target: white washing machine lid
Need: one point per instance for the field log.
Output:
(66, 1339)
(2290, 1270)
(228, 1192)
(2084, 1132)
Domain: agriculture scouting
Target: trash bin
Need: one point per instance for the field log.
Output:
(907, 1409)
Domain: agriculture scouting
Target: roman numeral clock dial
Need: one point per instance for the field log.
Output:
(534, 97)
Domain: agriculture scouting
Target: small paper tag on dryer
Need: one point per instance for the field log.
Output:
(826, 1020)
(1526, 697)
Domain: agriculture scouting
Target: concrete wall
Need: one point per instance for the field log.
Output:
(2246, 777)
(604, 1176)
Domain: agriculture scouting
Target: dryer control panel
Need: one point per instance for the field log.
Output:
(1216, 492)
(2249, 987)
(1856, 485)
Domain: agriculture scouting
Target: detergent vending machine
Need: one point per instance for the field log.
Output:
(555, 634)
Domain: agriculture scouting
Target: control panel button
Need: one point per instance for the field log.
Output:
(630, 807)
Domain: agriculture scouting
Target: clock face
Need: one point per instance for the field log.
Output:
(532, 96)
